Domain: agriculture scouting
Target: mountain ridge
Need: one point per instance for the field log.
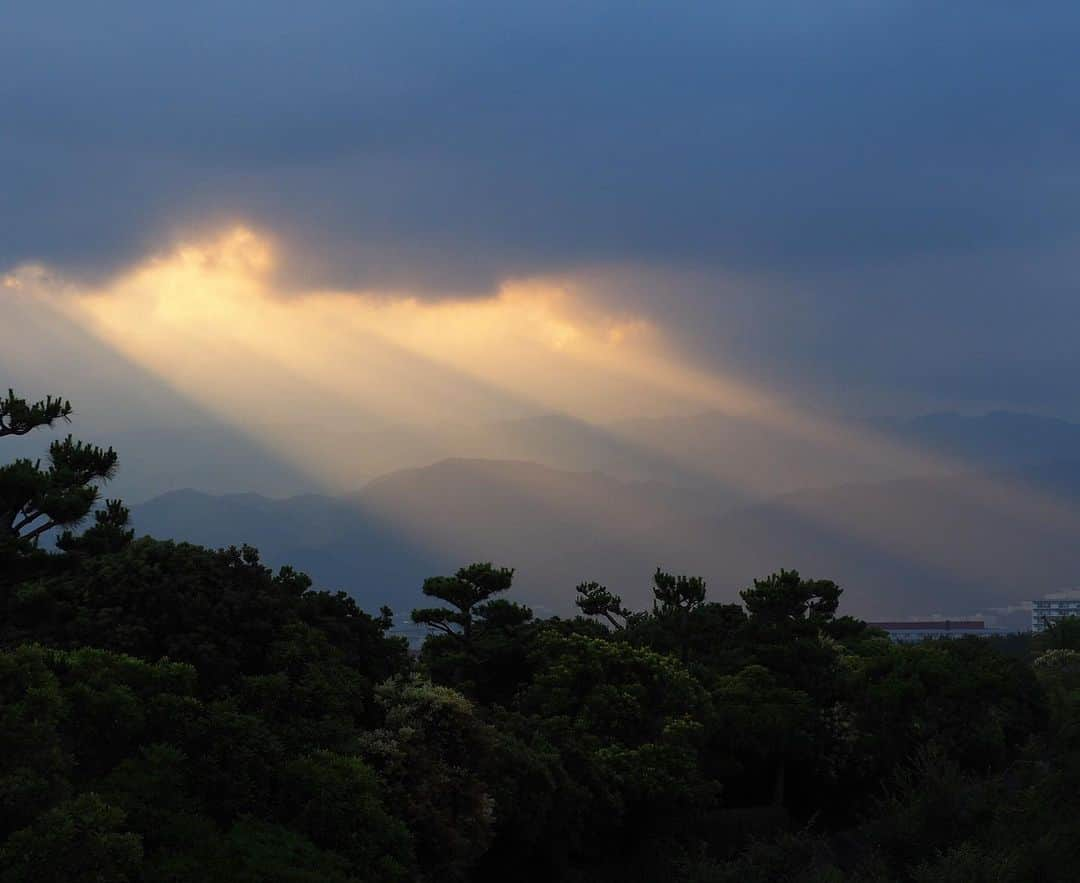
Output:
(953, 545)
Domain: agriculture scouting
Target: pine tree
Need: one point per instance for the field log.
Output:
(35, 498)
(595, 600)
(469, 593)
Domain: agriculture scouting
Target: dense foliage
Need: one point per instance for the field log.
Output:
(173, 713)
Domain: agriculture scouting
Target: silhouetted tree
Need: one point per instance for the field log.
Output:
(675, 598)
(18, 416)
(1060, 634)
(785, 596)
(108, 534)
(482, 646)
(33, 499)
(676, 594)
(467, 592)
(595, 600)
(790, 630)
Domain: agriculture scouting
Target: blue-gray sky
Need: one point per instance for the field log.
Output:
(876, 200)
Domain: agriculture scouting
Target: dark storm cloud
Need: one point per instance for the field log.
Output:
(879, 179)
(451, 143)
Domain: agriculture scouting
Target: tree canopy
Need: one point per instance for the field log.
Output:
(175, 713)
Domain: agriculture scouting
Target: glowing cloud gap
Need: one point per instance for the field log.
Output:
(207, 318)
(304, 373)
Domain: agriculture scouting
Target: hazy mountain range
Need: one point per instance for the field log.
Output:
(735, 458)
(981, 540)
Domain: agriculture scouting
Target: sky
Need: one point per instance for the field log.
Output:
(435, 211)
(288, 247)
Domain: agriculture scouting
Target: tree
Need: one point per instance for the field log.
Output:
(787, 597)
(336, 803)
(81, 839)
(220, 609)
(675, 599)
(595, 600)
(18, 417)
(676, 595)
(109, 533)
(429, 753)
(628, 724)
(1060, 634)
(792, 630)
(762, 726)
(482, 646)
(712, 637)
(467, 592)
(33, 499)
(263, 852)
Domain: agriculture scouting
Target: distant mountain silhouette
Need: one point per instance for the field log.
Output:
(556, 441)
(957, 545)
(730, 457)
(558, 528)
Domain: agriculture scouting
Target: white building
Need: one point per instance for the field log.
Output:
(1047, 610)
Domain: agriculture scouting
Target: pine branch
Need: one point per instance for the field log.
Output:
(18, 417)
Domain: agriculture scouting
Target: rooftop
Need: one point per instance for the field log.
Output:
(924, 625)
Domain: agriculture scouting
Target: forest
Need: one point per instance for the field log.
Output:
(170, 712)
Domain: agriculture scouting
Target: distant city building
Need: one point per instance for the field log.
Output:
(1048, 610)
(920, 630)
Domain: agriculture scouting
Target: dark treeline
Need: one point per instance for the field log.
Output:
(174, 713)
